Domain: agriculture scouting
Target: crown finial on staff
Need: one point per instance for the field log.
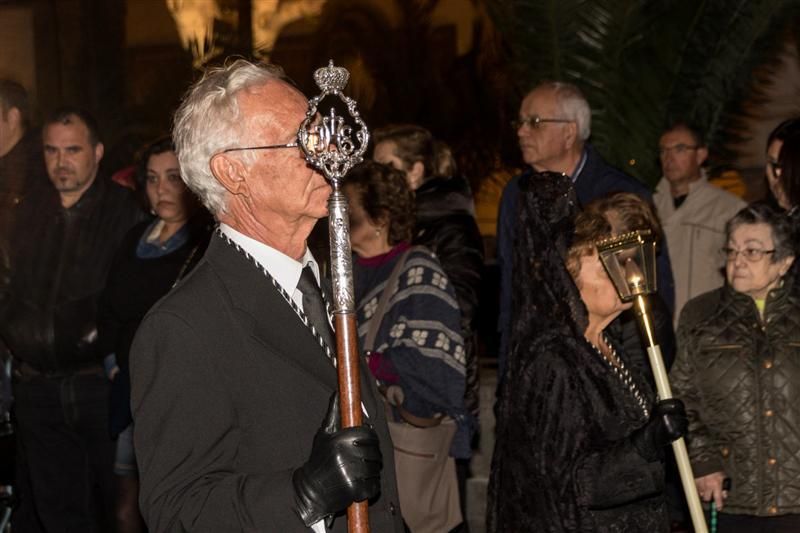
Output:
(331, 79)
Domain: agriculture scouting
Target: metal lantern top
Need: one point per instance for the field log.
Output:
(630, 260)
(328, 141)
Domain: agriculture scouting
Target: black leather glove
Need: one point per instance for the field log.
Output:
(344, 467)
(667, 423)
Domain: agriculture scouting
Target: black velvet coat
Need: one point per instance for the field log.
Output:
(563, 459)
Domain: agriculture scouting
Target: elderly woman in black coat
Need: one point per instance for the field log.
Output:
(580, 437)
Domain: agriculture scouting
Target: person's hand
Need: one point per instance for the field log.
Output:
(667, 423)
(710, 486)
(344, 467)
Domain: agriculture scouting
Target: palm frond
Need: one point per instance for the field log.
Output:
(643, 62)
(729, 42)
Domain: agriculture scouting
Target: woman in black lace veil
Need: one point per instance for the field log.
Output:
(579, 444)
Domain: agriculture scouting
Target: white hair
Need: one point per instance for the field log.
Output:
(573, 105)
(209, 121)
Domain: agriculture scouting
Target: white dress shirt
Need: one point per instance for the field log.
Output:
(285, 270)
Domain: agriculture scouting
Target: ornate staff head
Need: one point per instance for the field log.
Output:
(335, 144)
(329, 142)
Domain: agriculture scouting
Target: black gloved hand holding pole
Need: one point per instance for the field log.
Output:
(668, 423)
(344, 467)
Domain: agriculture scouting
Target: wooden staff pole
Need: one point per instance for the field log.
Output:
(679, 446)
(347, 356)
(334, 145)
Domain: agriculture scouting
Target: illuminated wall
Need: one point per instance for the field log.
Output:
(17, 52)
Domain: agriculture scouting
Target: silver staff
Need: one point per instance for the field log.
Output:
(331, 145)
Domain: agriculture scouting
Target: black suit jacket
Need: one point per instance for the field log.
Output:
(228, 389)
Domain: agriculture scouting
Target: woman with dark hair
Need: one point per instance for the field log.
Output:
(777, 181)
(737, 370)
(786, 187)
(151, 259)
(580, 437)
(445, 224)
(418, 345)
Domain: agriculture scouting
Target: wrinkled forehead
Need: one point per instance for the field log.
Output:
(274, 107)
(744, 234)
(542, 102)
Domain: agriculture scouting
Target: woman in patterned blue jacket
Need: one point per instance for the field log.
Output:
(418, 344)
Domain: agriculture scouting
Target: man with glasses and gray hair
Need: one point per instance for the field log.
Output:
(693, 213)
(236, 422)
(553, 130)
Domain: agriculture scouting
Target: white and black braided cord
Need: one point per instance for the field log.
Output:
(328, 351)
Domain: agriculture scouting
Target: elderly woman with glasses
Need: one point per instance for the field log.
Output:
(738, 372)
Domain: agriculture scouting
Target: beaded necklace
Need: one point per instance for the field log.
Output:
(621, 371)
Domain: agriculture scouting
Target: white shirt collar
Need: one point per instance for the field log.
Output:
(280, 266)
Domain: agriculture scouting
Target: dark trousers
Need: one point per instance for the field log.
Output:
(62, 428)
(737, 523)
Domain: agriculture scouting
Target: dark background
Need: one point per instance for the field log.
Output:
(458, 67)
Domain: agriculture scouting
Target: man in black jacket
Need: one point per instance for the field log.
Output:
(231, 372)
(60, 261)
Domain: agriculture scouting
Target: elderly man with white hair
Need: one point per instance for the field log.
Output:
(237, 427)
(553, 129)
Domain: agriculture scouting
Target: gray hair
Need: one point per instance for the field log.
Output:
(777, 220)
(572, 104)
(209, 121)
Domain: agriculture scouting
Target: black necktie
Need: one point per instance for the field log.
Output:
(314, 306)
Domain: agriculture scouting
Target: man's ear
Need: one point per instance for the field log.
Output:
(416, 175)
(570, 135)
(702, 155)
(14, 117)
(99, 150)
(230, 173)
(786, 264)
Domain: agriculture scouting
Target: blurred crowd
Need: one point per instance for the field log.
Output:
(138, 307)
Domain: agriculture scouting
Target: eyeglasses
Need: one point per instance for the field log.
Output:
(535, 122)
(679, 149)
(752, 255)
(267, 147)
(313, 137)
